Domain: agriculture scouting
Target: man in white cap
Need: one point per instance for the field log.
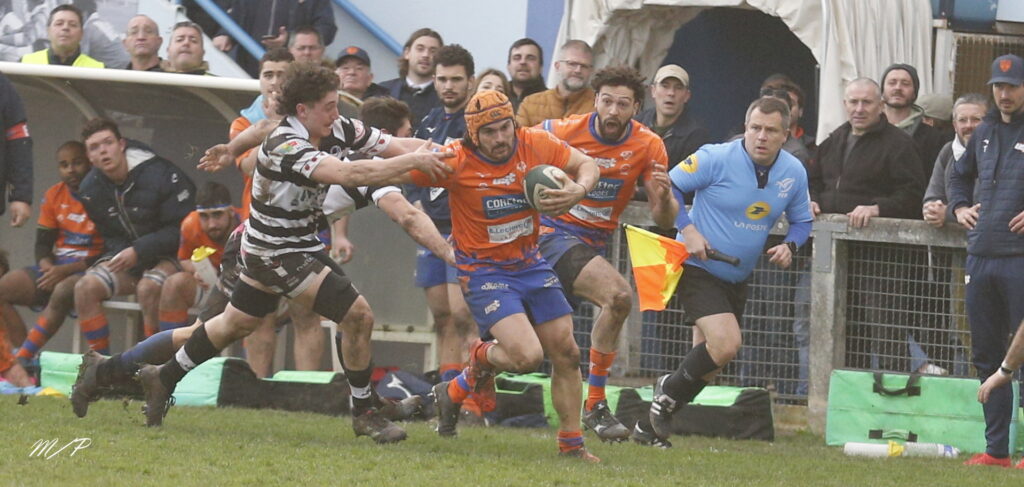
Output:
(668, 118)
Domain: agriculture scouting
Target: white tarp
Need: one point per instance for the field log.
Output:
(849, 38)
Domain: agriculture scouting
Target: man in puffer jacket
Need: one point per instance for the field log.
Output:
(137, 201)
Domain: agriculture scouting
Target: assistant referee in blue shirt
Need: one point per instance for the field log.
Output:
(742, 188)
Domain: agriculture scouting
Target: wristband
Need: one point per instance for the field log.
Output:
(792, 246)
(1005, 370)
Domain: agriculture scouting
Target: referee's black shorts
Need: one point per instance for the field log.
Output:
(702, 294)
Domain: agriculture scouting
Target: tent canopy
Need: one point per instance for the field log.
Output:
(848, 38)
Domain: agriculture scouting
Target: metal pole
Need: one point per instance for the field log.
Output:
(234, 30)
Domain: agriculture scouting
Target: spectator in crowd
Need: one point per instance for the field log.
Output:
(387, 114)
(208, 226)
(64, 28)
(881, 177)
(137, 200)
(873, 160)
(573, 94)
(100, 39)
(525, 57)
(900, 87)
(968, 111)
(142, 42)
(668, 118)
(306, 45)
(353, 69)
(938, 112)
(15, 155)
(185, 52)
(415, 82)
(199, 15)
(793, 145)
(992, 166)
(67, 243)
(779, 81)
(453, 81)
(10, 370)
(492, 79)
(270, 21)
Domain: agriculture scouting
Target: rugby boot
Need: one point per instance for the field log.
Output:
(481, 380)
(400, 410)
(988, 461)
(86, 388)
(601, 421)
(470, 414)
(158, 397)
(641, 436)
(662, 408)
(373, 424)
(580, 453)
(447, 410)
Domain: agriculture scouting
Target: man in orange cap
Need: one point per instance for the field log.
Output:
(514, 295)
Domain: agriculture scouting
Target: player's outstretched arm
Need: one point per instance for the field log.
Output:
(224, 155)
(1014, 359)
(417, 224)
(403, 145)
(369, 172)
(585, 173)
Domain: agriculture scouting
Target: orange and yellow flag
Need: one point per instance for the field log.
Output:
(657, 265)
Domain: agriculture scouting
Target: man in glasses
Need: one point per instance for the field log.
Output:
(571, 96)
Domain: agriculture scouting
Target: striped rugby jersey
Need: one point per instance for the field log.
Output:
(286, 203)
(342, 200)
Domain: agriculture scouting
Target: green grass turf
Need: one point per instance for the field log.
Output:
(220, 446)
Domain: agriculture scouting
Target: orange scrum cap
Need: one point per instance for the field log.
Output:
(486, 107)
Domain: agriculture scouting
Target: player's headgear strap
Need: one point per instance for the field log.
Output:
(486, 107)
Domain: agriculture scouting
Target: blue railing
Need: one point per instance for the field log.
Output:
(233, 29)
(369, 25)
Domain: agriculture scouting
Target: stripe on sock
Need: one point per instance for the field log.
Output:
(97, 333)
(174, 318)
(36, 339)
(570, 440)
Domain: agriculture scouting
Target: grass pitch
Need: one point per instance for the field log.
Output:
(219, 446)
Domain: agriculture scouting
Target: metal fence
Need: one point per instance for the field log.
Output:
(885, 297)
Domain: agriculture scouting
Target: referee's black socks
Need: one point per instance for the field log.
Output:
(686, 382)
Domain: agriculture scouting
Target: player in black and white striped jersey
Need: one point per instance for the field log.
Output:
(289, 187)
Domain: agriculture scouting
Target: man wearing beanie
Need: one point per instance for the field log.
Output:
(900, 87)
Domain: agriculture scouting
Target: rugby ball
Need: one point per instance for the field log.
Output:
(544, 176)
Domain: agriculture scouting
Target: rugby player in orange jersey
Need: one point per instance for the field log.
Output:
(67, 243)
(575, 243)
(513, 293)
(208, 226)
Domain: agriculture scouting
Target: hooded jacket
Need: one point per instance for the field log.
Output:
(144, 211)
